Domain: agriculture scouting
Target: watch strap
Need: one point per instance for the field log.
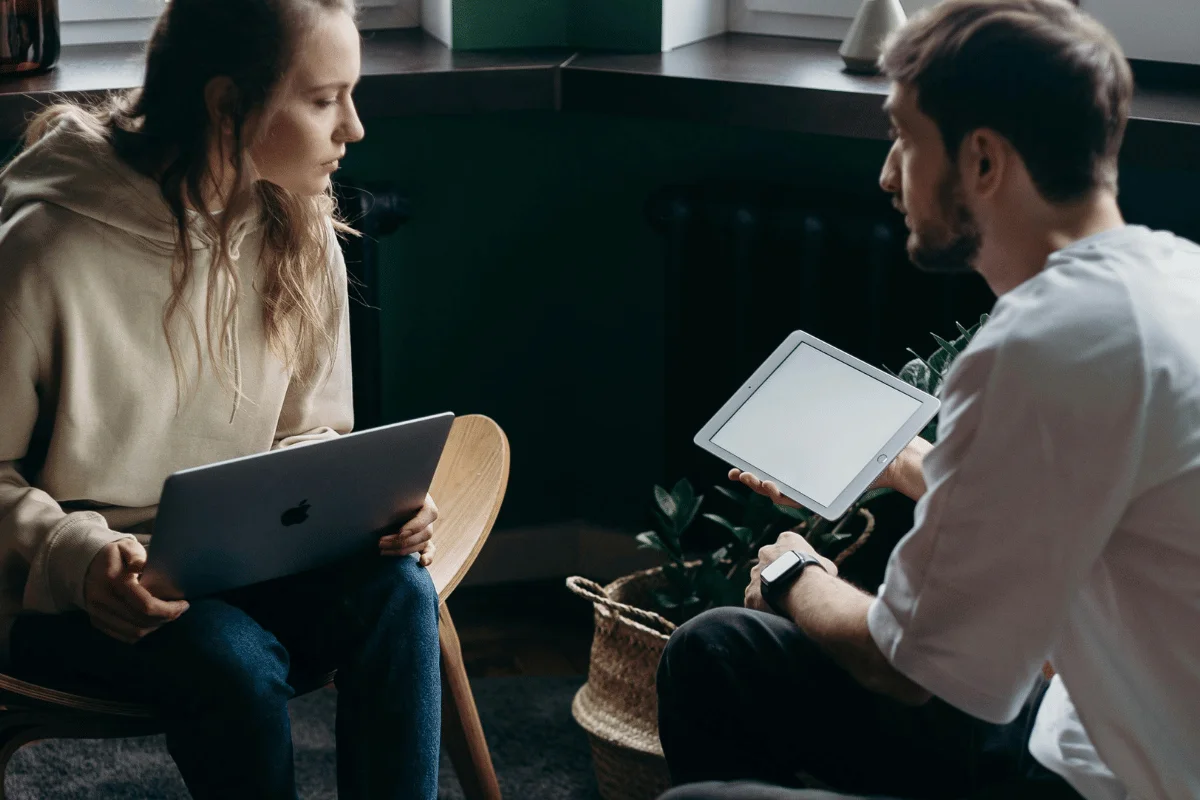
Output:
(772, 593)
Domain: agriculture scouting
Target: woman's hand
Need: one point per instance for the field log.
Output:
(413, 536)
(115, 600)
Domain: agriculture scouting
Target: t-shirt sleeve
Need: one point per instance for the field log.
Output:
(1040, 438)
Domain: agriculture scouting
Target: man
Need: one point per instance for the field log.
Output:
(1058, 515)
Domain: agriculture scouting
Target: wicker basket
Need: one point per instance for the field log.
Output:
(618, 706)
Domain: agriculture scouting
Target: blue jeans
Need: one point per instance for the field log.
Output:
(222, 674)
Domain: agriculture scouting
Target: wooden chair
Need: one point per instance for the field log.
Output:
(469, 487)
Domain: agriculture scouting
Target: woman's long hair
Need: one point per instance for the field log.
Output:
(163, 130)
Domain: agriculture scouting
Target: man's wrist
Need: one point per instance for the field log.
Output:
(791, 601)
(911, 475)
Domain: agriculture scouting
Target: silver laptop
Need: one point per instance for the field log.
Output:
(250, 519)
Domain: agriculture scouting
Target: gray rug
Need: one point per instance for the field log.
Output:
(539, 752)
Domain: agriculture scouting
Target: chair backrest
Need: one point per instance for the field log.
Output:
(468, 488)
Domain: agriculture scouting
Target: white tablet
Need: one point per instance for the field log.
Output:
(817, 422)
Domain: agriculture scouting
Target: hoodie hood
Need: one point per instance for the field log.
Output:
(75, 168)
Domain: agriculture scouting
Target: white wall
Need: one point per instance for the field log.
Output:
(687, 21)
(1159, 30)
(436, 20)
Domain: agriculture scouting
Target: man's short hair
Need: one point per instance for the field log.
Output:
(1043, 74)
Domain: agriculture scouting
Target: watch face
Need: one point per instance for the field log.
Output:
(779, 566)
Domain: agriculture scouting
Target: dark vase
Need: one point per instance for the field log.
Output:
(29, 36)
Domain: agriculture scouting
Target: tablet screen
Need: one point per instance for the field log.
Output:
(815, 423)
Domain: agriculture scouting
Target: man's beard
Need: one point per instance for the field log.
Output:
(949, 244)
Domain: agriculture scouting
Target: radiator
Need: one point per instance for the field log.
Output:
(747, 264)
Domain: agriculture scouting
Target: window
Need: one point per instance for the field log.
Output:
(92, 21)
(1156, 30)
(814, 19)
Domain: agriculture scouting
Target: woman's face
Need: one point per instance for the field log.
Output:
(313, 118)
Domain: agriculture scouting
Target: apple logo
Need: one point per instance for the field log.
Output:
(294, 516)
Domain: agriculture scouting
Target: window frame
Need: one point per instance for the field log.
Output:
(1168, 41)
(104, 21)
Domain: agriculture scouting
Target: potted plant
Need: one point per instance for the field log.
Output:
(709, 544)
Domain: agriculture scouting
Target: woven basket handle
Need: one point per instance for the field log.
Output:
(590, 590)
(861, 540)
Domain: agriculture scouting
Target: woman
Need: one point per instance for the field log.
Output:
(172, 294)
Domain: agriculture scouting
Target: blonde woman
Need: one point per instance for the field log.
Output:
(172, 294)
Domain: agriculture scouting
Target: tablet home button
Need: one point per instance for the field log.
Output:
(882, 458)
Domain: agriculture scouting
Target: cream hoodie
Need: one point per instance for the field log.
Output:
(89, 424)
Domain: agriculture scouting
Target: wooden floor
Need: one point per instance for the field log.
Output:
(536, 628)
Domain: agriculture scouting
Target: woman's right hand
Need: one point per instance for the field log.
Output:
(116, 601)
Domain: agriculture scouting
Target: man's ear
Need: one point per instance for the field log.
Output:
(983, 159)
(220, 100)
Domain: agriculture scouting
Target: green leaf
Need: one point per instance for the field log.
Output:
(666, 599)
(666, 503)
(712, 585)
(873, 494)
(683, 493)
(744, 535)
(917, 373)
(678, 577)
(923, 361)
(792, 513)
(724, 523)
(947, 346)
(687, 514)
(730, 495)
(666, 527)
(966, 334)
(649, 540)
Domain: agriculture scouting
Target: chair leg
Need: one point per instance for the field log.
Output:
(462, 731)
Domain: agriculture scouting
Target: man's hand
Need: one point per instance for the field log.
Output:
(116, 601)
(413, 536)
(903, 474)
(765, 488)
(788, 540)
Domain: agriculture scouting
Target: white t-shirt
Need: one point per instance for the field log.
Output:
(1062, 520)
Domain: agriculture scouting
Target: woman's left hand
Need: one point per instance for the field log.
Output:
(413, 536)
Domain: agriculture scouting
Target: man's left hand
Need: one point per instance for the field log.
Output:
(412, 536)
(788, 540)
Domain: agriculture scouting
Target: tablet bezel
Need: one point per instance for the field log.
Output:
(862, 481)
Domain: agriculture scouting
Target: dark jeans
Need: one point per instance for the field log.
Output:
(222, 675)
(746, 696)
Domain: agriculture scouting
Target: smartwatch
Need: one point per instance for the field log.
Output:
(781, 573)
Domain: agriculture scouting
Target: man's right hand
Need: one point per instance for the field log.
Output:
(116, 601)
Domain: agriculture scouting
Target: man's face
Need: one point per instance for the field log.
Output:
(925, 186)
